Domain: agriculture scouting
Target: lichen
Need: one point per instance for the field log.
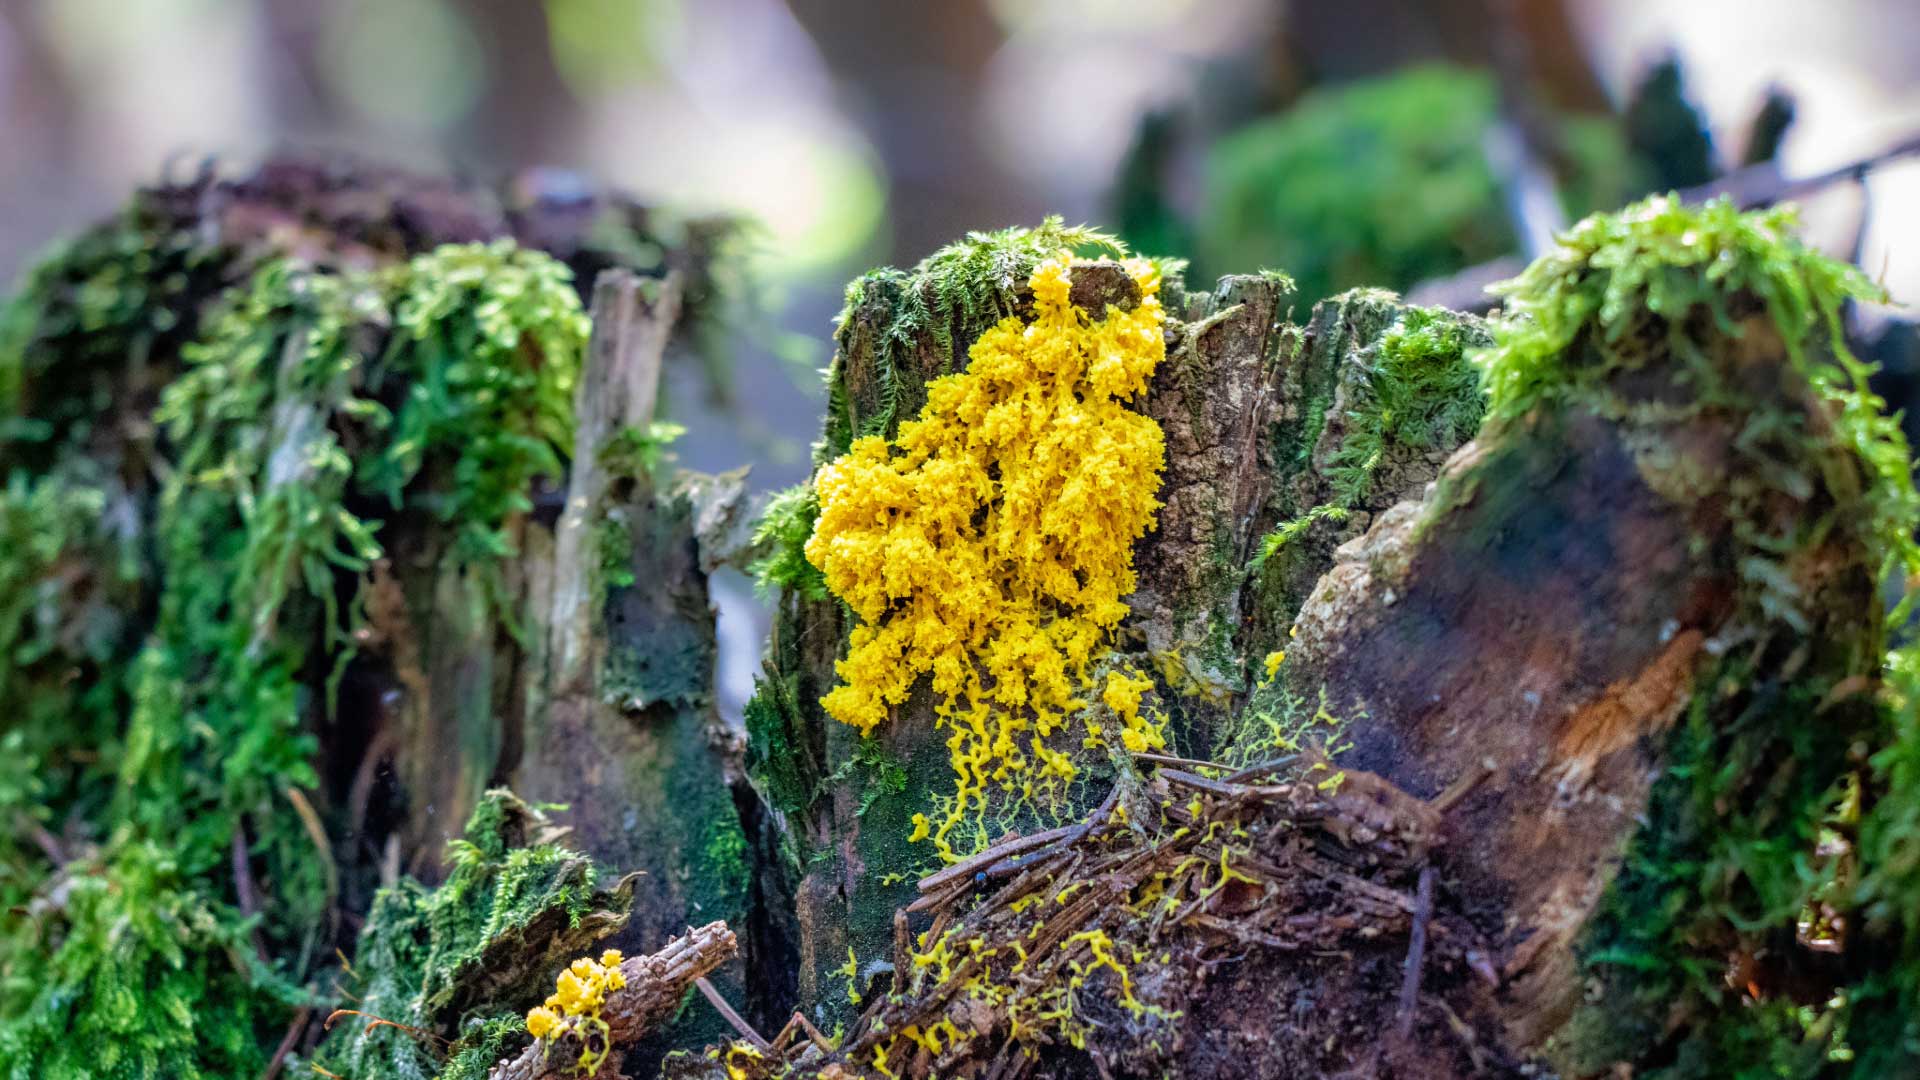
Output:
(989, 544)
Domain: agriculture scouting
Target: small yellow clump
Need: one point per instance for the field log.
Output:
(574, 1007)
(990, 545)
(1273, 662)
(1139, 734)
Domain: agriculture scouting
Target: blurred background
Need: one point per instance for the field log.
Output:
(1429, 147)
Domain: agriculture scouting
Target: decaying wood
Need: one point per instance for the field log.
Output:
(1508, 630)
(1236, 394)
(619, 718)
(656, 984)
(618, 385)
(1538, 631)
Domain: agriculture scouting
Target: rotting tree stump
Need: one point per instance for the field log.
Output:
(1555, 742)
(1534, 643)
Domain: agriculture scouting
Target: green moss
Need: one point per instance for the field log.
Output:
(639, 453)
(94, 327)
(69, 591)
(773, 720)
(1883, 1020)
(1766, 776)
(782, 534)
(441, 387)
(484, 1044)
(138, 974)
(1323, 188)
(1584, 312)
(488, 342)
(1418, 393)
(464, 961)
(633, 456)
(662, 651)
(880, 773)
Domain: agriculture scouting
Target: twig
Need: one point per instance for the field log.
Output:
(360, 793)
(381, 1021)
(316, 832)
(966, 867)
(1762, 184)
(1416, 953)
(1263, 768)
(294, 1031)
(1750, 187)
(997, 859)
(799, 1020)
(243, 888)
(1187, 779)
(1169, 759)
(726, 1013)
(1013, 864)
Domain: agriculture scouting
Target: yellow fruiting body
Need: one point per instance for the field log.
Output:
(1273, 662)
(990, 546)
(574, 1007)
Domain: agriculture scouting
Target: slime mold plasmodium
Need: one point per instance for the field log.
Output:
(990, 547)
(574, 1008)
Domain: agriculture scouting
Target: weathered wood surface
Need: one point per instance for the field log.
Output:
(1522, 640)
(620, 725)
(656, 985)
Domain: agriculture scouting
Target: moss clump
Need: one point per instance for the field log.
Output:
(1718, 947)
(124, 968)
(437, 388)
(89, 337)
(1323, 189)
(462, 962)
(773, 719)
(1660, 275)
(781, 535)
(1417, 392)
(69, 597)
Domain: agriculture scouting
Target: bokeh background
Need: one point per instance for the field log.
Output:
(1423, 146)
